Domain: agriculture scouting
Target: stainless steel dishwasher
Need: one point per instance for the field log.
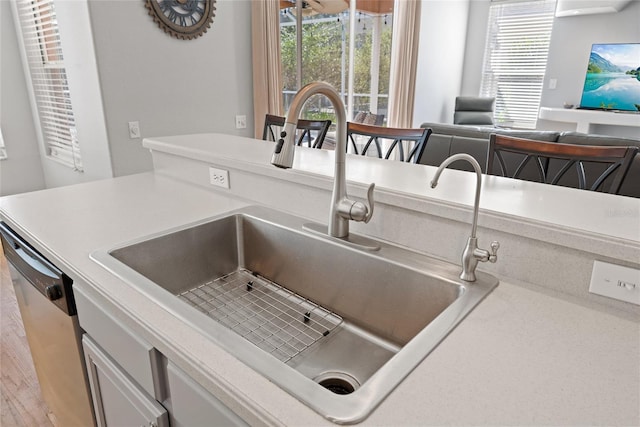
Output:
(48, 311)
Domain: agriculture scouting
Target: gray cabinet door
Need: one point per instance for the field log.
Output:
(193, 406)
(134, 355)
(117, 399)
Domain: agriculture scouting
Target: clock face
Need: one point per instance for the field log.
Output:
(184, 19)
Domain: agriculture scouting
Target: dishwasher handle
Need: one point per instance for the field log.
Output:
(33, 260)
(39, 271)
(27, 255)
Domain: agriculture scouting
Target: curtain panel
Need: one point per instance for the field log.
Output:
(267, 83)
(404, 59)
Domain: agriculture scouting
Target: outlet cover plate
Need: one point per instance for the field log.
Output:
(615, 281)
(134, 130)
(241, 121)
(219, 177)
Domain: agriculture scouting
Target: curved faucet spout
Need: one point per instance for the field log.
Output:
(343, 209)
(471, 254)
(283, 156)
(476, 168)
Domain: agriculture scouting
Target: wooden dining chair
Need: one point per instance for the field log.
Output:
(310, 132)
(588, 167)
(386, 141)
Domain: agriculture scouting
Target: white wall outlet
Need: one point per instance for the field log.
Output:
(241, 121)
(553, 83)
(219, 177)
(615, 281)
(134, 130)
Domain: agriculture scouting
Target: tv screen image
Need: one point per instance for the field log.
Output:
(613, 78)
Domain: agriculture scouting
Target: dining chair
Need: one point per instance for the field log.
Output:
(588, 167)
(387, 141)
(310, 132)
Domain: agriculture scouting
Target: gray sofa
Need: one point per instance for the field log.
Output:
(448, 139)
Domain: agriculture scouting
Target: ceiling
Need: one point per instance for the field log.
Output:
(589, 7)
(373, 7)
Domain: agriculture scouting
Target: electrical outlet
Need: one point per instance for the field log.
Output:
(553, 83)
(615, 281)
(134, 130)
(241, 122)
(219, 177)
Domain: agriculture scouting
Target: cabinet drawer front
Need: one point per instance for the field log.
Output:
(118, 401)
(192, 405)
(136, 356)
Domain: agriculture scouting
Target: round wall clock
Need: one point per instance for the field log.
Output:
(183, 19)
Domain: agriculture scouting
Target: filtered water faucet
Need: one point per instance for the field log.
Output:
(471, 254)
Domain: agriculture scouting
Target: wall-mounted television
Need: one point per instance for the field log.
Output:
(612, 80)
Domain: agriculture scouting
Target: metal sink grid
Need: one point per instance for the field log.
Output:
(269, 316)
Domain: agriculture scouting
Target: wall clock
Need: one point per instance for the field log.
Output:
(183, 19)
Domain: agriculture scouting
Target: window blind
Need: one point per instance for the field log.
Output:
(515, 59)
(43, 50)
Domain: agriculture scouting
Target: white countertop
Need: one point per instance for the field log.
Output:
(523, 356)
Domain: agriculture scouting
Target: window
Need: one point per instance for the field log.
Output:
(3, 151)
(360, 74)
(515, 59)
(37, 19)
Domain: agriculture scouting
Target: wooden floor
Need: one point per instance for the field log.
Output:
(21, 401)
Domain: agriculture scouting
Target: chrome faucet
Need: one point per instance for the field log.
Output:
(471, 254)
(342, 208)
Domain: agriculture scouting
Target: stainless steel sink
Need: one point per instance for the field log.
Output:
(340, 327)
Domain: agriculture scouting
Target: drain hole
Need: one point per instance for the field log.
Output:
(338, 382)
(337, 386)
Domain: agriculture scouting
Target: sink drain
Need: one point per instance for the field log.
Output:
(338, 382)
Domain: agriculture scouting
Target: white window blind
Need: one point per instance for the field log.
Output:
(43, 50)
(515, 59)
(3, 150)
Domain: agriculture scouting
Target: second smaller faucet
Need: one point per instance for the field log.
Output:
(471, 254)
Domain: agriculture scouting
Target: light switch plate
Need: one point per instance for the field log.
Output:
(615, 281)
(219, 177)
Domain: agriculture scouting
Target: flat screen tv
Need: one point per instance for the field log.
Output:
(613, 78)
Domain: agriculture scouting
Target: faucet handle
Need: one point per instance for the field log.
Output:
(493, 252)
(357, 211)
(369, 214)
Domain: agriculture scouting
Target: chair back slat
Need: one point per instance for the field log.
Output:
(310, 132)
(377, 136)
(556, 161)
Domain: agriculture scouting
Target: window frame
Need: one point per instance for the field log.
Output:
(41, 50)
(3, 148)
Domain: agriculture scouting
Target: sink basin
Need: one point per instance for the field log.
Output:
(339, 326)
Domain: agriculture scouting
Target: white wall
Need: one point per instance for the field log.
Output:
(22, 171)
(474, 47)
(84, 86)
(440, 63)
(170, 86)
